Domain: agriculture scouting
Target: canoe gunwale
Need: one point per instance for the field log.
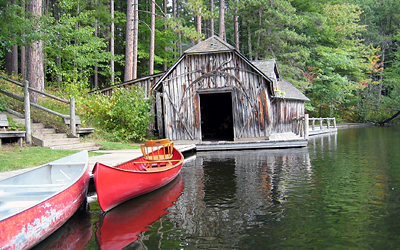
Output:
(152, 170)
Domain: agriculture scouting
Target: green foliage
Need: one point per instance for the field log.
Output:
(73, 50)
(107, 145)
(338, 57)
(342, 53)
(13, 126)
(126, 115)
(14, 28)
(3, 103)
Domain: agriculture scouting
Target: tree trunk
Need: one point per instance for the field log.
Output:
(179, 33)
(14, 61)
(174, 16)
(198, 23)
(378, 103)
(135, 36)
(249, 42)
(112, 50)
(8, 61)
(96, 75)
(56, 15)
(59, 76)
(222, 33)
(381, 123)
(152, 36)
(22, 61)
(165, 27)
(212, 31)
(34, 53)
(259, 34)
(129, 42)
(236, 29)
(23, 58)
(12, 57)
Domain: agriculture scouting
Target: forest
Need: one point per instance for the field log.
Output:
(343, 54)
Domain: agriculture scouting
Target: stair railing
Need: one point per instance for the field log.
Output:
(25, 99)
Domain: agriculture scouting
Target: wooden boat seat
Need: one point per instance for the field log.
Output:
(157, 150)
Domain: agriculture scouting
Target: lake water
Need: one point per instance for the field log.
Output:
(341, 192)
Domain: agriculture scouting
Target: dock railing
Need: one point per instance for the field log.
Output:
(305, 126)
(300, 127)
(323, 123)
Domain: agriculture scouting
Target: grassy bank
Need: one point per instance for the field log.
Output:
(13, 157)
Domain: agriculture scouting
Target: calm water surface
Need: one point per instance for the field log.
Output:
(342, 192)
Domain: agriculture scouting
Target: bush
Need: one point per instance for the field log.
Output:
(126, 115)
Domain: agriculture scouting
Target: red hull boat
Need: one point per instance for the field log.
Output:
(123, 224)
(36, 203)
(159, 165)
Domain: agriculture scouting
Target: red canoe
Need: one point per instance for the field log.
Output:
(122, 225)
(159, 165)
(36, 203)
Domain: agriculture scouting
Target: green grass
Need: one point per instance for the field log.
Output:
(13, 157)
(117, 145)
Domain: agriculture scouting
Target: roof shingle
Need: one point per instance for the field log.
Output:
(212, 44)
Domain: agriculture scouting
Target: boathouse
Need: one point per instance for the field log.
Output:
(213, 92)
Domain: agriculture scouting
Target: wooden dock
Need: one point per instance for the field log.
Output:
(311, 127)
(278, 140)
(322, 126)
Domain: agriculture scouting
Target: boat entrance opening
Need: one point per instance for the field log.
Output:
(216, 116)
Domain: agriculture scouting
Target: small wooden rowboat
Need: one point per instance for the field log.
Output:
(160, 164)
(37, 202)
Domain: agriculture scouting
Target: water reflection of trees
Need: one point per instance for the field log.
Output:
(228, 192)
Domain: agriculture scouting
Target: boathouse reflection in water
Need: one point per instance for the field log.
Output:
(227, 192)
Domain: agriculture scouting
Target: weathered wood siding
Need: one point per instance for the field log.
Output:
(213, 73)
(286, 113)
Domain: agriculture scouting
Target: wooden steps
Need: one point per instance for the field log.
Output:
(48, 137)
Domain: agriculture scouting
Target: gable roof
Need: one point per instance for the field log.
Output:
(290, 91)
(270, 68)
(213, 44)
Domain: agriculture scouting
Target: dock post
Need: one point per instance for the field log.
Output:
(72, 123)
(334, 122)
(306, 125)
(27, 107)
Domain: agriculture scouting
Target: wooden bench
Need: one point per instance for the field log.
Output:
(9, 134)
(79, 130)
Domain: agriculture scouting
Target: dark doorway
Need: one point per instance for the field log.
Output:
(216, 116)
